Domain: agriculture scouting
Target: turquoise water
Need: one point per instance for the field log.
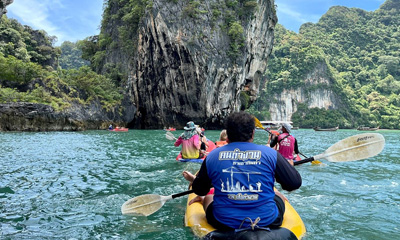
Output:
(71, 185)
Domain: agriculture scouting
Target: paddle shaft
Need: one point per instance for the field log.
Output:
(303, 155)
(303, 161)
(182, 194)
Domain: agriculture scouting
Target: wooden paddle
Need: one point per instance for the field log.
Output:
(170, 136)
(148, 204)
(353, 148)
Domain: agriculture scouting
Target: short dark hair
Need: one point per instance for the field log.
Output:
(240, 126)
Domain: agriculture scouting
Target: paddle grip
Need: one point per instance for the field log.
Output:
(303, 161)
(182, 194)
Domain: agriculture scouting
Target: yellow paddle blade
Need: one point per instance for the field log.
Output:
(258, 123)
(316, 162)
(354, 148)
(144, 205)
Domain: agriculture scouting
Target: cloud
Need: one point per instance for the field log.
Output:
(296, 15)
(68, 20)
(36, 14)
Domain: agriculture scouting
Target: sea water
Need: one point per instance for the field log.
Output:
(71, 185)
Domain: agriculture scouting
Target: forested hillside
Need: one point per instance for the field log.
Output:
(30, 71)
(71, 56)
(362, 52)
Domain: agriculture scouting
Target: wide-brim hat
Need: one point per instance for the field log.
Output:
(190, 126)
(287, 127)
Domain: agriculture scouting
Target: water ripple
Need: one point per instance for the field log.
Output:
(71, 185)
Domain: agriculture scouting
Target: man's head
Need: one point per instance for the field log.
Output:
(240, 127)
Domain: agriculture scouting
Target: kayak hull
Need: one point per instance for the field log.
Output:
(195, 218)
(193, 160)
(119, 130)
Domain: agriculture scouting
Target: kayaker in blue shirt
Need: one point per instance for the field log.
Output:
(243, 175)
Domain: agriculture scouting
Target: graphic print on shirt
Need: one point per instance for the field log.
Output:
(285, 142)
(232, 183)
(231, 186)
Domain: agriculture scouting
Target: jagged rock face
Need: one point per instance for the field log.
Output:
(285, 103)
(3, 5)
(34, 117)
(182, 71)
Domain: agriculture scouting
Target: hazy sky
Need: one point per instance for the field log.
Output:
(72, 20)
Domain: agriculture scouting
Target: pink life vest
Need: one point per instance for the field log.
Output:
(286, 145)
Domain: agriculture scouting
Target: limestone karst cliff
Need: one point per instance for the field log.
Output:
(317, 92)
(192, 59)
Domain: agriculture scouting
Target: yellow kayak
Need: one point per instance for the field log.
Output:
(195, 218)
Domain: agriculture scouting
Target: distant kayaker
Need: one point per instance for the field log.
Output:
(287, 144)
(243, 175)
(190, 142)
(110, 127)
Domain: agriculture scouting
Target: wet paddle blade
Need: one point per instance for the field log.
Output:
(170, 136)
(356, 147)
(144, 205)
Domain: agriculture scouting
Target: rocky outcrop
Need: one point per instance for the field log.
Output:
(34, 117)
(3, 5)
(317, 92)
(182, 69)
(39, 117)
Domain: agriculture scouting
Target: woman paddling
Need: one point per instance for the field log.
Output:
(190, 142)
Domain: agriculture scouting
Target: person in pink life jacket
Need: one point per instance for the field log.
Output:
(190, 142)
(286, 142)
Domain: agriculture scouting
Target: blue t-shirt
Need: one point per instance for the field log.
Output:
(242, 174)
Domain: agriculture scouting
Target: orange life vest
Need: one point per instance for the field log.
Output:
(220, 143)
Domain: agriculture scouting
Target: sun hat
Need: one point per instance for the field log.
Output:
(190, 126)
(287, 127)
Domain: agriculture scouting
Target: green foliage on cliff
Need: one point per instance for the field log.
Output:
(22, 81)
(361, 53)
(28, 71)
(119, 28)
(317, 117)
(71, 56)
(27, 44)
